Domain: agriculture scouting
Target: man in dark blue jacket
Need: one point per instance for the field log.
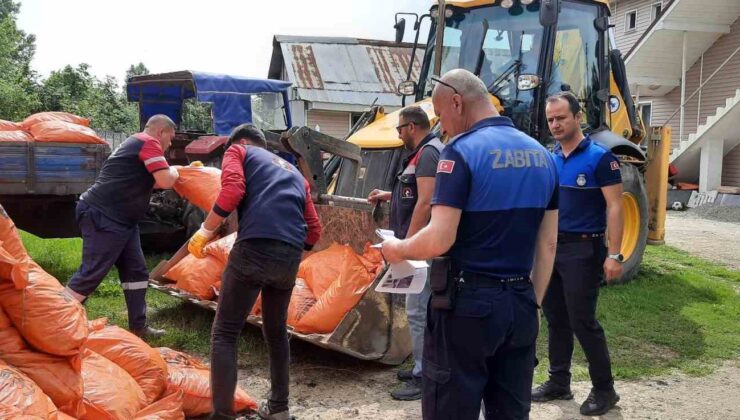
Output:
(277, 222)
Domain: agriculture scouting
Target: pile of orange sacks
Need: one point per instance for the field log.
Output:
(55, 364)
(57, 127)
(329, 284)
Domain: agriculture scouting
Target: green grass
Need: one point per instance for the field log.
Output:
(188, 326)
(680, 314)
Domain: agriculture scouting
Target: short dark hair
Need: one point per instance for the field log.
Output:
(573, 104)
(250, 133)
(414, 114)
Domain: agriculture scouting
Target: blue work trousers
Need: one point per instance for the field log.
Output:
(483, 349)
(107, 243)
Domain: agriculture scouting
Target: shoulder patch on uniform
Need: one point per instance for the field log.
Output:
(445, 166)
(282, 163)
(614, 165)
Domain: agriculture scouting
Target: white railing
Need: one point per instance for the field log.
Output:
(702, 84)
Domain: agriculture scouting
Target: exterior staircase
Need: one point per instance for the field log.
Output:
(721, 128)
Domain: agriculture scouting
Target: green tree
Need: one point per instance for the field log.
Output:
(136, 70)
(76, 90)
(18, 87)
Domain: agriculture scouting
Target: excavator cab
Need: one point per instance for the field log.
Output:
(524, 51)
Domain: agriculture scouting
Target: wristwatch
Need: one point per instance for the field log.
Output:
(617, 257)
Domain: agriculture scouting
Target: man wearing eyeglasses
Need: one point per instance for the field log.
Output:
(410, 200)
(494, 217)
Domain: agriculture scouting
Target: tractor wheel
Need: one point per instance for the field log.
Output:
(635, 212)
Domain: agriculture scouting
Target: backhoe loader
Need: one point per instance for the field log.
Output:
(523, 50)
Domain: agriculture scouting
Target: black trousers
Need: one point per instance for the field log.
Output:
(255, 265)
(570, 308)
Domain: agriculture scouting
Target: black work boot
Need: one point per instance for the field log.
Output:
(148, 332)
(599, 402)
(549, 391)
(410, 392)
(405, 375)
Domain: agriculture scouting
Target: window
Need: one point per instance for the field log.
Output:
(657, 9)
(646, 112)
(630, 21)
(575, 58)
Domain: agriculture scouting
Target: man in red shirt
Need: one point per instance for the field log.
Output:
(277, 222)
(109, 212)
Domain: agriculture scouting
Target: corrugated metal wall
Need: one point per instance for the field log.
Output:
(625, 40)
(731, 168)
(335, 124)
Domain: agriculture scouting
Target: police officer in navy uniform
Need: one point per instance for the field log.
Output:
(494, 215)
(411, 209)
(590, 200)
(108, 214)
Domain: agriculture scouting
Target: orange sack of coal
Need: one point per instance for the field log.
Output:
(342, 295)
(64, 132)
(21, 398)
(110, 392)
(196, 275)
(48, 318)
(320, 269)
(58, 377)
(17, 135)
(180, 359)
(167, 408)
(9, 126)
(190, 376)
(40, 117)
(136, 357)
(199, 185)
(300, 301)
(14, 259)
(220, 249)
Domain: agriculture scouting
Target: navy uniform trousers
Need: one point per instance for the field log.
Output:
(570, 309)
(107, 243)
(484, 349)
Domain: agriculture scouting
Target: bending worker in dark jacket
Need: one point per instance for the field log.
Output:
(277, 221)
(109, 212)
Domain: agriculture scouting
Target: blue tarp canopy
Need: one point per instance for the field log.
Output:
(230, 95)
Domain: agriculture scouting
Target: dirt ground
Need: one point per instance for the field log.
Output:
(326, 385)
(361, 393)
(709, 239)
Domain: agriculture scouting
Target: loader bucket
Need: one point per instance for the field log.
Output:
(375, 329)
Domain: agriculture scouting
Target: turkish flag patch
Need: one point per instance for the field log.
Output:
(445, 166)
(614, 165)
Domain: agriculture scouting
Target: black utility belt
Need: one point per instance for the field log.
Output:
(445, 281)
(578, 237)
(480, 281)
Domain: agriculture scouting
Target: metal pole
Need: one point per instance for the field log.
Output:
(683, 87)
(439, 37)
(701, 80)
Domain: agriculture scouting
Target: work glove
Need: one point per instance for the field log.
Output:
(174, 173)
(198, 242)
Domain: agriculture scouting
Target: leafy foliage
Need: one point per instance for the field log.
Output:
(18, 86)
(73, 88)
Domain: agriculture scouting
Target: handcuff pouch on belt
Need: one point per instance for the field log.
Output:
(443, 282)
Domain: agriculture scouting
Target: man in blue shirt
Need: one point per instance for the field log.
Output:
(590, 196)
(494, 215)
(410, 200)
